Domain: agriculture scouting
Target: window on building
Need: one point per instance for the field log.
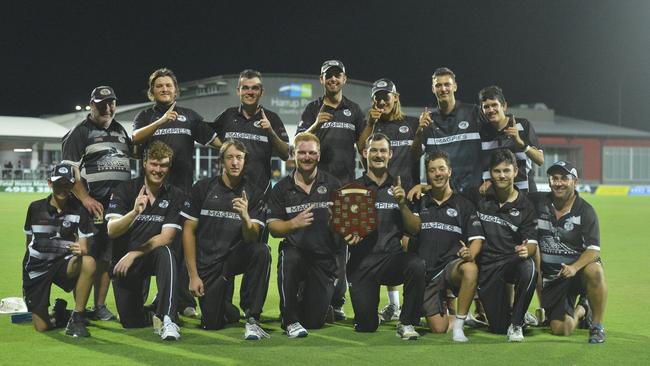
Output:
(626, 164)
(552, 154)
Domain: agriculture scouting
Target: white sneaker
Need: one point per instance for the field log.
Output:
(407, 332)
(253, 331)
(389, 312)
(530, 320)
(169, 330)
(296, 330)
(515, 334)
(458, 334)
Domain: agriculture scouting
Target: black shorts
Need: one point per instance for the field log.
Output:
(36, 291)
(99, 246)
(435, 292)
(559, 296)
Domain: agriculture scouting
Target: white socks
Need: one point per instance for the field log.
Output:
(458, 333)
(393, 298)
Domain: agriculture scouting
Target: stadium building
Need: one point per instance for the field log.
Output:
(605, 154)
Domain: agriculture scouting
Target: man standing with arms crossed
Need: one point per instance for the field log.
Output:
(99, 149)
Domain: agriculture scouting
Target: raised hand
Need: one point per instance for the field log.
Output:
(322, 115)
(240, 205)
(375, 113)
(170, 115)
(265, 124)
(398, 191)
(463, 252)
(141, 201)
(425, 119)
(522, 250)
(304, 218)
(513, 132)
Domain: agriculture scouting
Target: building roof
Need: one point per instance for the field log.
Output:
(28, 127)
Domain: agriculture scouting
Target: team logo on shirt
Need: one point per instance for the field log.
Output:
(321, 190)
(404, 129)
(257, 124)
(452, 212)
(181, 118)
(568, 226)
(514, 212)
(66, 224)
(390, 191)
(187, 204)
(163, 204)
(347, 112)
(463, 125)
(121, 139)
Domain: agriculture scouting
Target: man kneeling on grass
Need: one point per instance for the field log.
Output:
(143, 216)
(570, 255)
(445, 222)
(57, 229)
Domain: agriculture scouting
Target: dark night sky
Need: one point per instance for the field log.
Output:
(575, 56)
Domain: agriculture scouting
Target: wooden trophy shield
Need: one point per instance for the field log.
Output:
(354, 210)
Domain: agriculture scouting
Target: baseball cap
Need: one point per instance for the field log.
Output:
(563, 166)
(102, 93)
(62, 171)
(383, 84)
(332, 63)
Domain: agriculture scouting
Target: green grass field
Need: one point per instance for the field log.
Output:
(624, 253)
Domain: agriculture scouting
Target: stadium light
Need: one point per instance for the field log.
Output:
(23, 150)
(77, 108)
(87, 108)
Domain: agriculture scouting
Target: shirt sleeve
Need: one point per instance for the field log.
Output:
(275, 206)
(217, 124)
(173, 214)
(27, 228)
(192, 206)
(472, 223)
(307, 118)
(531, 137)
(528, 227)
(257, 209)
(201, 131)
(141, 120)
(74, 146)
(359, 123)
(278, 127)
(591, 229)
(86, 227)
(119, 204)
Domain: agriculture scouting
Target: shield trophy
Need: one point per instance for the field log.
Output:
(354, 210)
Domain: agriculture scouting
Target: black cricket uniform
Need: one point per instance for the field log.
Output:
(160, 262)
(458, 134)
(493, 139)
(180, 135)
(442, 228)
(337, 136)
(232, 124)
(379, 260)
(506, 227)
(563, 241)
(307, 263)
(401, 134)
(102, 156)
(221, 253)
(47, 256)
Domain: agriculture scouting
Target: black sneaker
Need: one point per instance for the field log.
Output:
(585, 321)
(597, 334)
(60, 315)
(76, 326)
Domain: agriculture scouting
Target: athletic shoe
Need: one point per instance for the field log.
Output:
(515, 333)
(530, 320)
(296, 330)
(459, 336)
(253, 331)
(407, 332)
(475, 322)
(190, 312)
(60, 315)
(585, 321)
(101, 312)
(76, 326)
(169, 330)
(389, 312)
(597, 334)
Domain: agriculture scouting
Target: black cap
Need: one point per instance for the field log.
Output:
(102, 93)
(563, 166)
(62, 170)
(332, 63)
(383, 84)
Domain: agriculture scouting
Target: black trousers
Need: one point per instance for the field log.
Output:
(367, 274)
(306, 285)
(251, 260)
(161, 263)
(341, 283)
(492, 292)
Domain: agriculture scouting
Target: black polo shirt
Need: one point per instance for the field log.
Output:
(564, 240)
(401, 134)
(219, 225)
(493, 139)
(337, 136)
(50, 230)
(386, 238)
(459, 135)
(287, 200)
(442, 228)
(506, 227)
(164, 212)
(180, 135)
(232, 124)
(101, 154)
